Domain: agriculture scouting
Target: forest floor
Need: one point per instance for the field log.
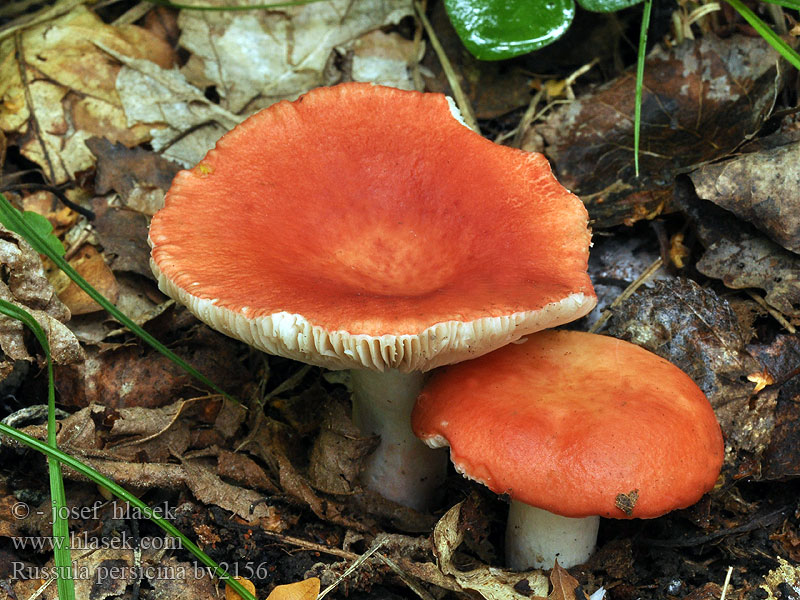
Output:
(697, 259)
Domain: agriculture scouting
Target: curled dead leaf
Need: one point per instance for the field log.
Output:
(308, 589)
(491, 582)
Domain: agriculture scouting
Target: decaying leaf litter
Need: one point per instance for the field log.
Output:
(107, 103)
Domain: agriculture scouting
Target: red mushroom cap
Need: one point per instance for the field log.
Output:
(577, 424)
(365, 226)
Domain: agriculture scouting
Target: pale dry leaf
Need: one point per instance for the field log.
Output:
(491, 582)
(230, 594)
(761, 188)
(385, 59)
(25, 284)
(90, 265)
(184, 125)
(256, 58)
(308, 589)
(786, 576)
(69, 84)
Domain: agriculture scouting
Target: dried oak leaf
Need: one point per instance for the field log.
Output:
(754, 261)
(781, 357)
(287, 50)
(25, 284)
(132, 376)
(741, 256)
(270, 441)
(697, 330)
(700, 100)
(338, 453)
(308, 589)
(123, 235)
(139, 176)
(91, 265)
(490, 582)
(70, 86)
(761, 188)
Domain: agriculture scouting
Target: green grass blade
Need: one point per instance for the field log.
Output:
(12, 216)
(232, 7)
(767, 33)
(61, 550)
(122, 493)
(790, 4)
(637, 110)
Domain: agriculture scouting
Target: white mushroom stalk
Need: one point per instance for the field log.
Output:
(536, 538)
(402, 469)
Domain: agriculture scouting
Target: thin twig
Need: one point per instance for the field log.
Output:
(627, 293)
(413, 585)
(23, 76)
(774, 313)
(57, 192)
(461, 98)
(726, 584)
(359, 561)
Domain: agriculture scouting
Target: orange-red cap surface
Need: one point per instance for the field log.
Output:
(366, 226)
(569, 421)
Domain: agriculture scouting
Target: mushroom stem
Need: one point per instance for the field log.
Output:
(402, 469)
(535, 538)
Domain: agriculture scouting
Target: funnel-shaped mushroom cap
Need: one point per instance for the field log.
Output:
(576, 424)
(365, 226)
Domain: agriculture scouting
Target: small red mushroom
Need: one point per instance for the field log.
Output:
(364, 227)
(573, 426)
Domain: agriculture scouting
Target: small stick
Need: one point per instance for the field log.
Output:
(627, 293)
(461, 98)
(359, 561)
(727, 582)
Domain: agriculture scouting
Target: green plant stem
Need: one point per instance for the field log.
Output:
(790, 4)
(122, 493)
(18, 224)
(637, 111)
(58, 498)
(767, 33)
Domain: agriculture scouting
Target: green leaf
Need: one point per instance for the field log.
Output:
(607, 5)
(791, 4)
(40, 225)
(499, 29)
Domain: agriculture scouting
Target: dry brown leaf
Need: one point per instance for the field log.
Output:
(256, 58)
(565, 586)
(492, 92)
(385, 59)
(338, 453)
(230, 594)
(63, 92)
(308, 589)
(701, 99)
(89, 263)
(25, 284)
(491, 582)
(761, 188)
(741, 257)
(141, 177)
(130, 376)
